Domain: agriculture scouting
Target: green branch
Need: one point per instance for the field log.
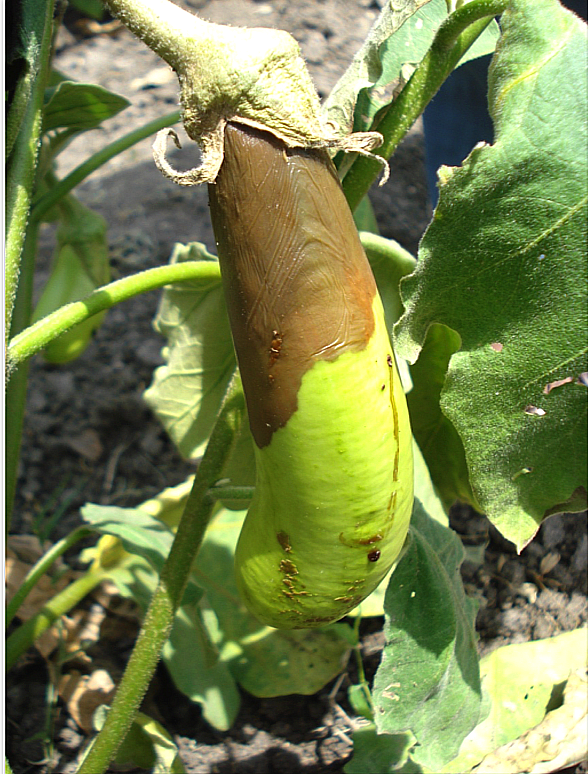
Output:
(168, 594)
(22, 164)
(41, 568)
(454, 37)
(37, 336)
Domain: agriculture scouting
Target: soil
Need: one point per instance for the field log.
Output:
(88, 435)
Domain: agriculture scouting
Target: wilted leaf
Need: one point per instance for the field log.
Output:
(84, 693)
(560, 740)
(366, 66)
(23, 552)
(186, 393)
(407, 46)
(520, 682)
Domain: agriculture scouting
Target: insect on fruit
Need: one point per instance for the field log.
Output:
(333, 450)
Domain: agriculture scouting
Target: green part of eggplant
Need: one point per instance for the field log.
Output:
(334, 492)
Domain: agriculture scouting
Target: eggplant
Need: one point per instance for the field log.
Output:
(327, 411)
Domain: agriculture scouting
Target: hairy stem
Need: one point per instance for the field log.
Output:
(161, 25)
(22, 166)
(168, 594)
(37, 336)
(16, 388)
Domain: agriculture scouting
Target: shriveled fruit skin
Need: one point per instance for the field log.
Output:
(327, 411)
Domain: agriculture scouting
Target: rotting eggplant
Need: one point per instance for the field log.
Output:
(326, 407)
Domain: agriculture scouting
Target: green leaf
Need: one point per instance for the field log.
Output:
(381, 753)
(365, 218)
(360, 698)
(92, 8)
(400, 54)
(437, 438)
(519, 683)
(503, 264)
(80, 106)
(390, 262)
(428, 682)
(265, 661)
(193, 663)
(240, 470)
(81, 264)
(140, 534)
(186, 393)
(147, 745)
(189, 655)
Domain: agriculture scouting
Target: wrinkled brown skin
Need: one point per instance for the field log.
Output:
(297, 282)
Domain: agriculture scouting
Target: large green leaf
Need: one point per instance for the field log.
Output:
(139, 532)
(197, 672)
(186, 393)
(428, 682)
(80, 106)
(381, 753)
(503, 264)
(438, 439)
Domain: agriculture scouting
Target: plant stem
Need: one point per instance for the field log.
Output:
(231, 492)
(26, 634)
(167, 597)
(76, 176)
(457, 33)
(402, 262)
(16, 388)
(22, 165)
(37, 336)
(41, 568)
(161, 25)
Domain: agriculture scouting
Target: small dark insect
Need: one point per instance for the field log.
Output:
(373, 556)
(390, 361)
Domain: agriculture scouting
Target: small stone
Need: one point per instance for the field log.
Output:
(529, 591)
(580, 557)
(553, 532)
(543, 628)
(314, 47)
